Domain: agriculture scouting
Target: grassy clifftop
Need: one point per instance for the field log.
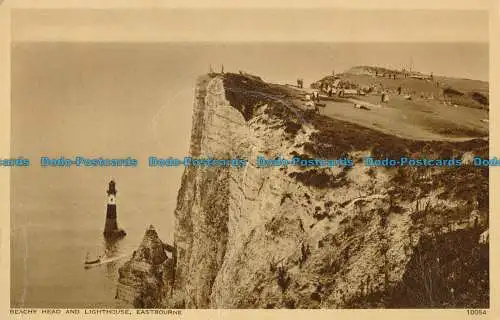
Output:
(464, 92)
(333, 137)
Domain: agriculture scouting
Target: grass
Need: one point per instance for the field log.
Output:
(446, 271)
(336, 138)
(464, 92)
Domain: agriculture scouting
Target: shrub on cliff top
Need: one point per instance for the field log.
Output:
(247, 93)
(244, 93)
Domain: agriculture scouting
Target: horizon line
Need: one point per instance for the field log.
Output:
(251, 41)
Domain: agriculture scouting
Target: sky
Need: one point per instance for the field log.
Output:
(249, 25)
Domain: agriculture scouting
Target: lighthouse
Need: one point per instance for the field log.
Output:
(111, 229)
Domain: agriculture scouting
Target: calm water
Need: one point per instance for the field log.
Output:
(119, 100)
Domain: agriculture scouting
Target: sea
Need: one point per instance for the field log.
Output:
(119, 100)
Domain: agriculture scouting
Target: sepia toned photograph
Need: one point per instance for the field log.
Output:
(249, 158)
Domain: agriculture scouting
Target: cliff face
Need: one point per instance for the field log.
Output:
(300, 237)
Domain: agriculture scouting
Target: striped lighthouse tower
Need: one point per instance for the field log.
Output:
(111, 226)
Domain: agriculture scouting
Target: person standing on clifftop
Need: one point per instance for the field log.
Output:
(385, 97)
(300, 83)
(316, 96)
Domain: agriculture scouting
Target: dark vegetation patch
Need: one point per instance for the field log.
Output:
(320, 178)
(469, 99)
(454, 131)
(456, 273)
(320, 215)
(447, 271)
(308, 198)
(480, 98)
(283, 279)
(245, 93)
(451, 129)
(452, 92)
(330, 239)
(305, 252)
(248, 93)
(397, 209)
(465, 183)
